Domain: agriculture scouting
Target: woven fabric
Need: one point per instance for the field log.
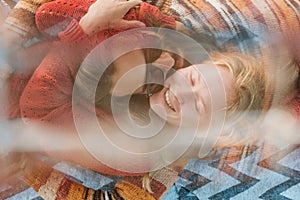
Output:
(257, 172)
(51, 183)
(19, 27)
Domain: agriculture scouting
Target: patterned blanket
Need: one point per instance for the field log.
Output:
(235, 173)
(260, 171)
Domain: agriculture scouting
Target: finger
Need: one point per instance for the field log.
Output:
(125, 24)
(131, 3)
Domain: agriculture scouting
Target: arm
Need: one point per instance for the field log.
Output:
(53, 17)
(48, 94)
(50, 89)
(151, 16)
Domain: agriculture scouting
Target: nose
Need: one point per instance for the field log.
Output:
(167, 59)
(184, 82)
(165, 62)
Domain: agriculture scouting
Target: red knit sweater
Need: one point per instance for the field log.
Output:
(47, 96)
(55, 16)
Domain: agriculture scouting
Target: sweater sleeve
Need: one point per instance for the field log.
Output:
(49, 89)
(48, 94)
(53, 17)
(153, 17)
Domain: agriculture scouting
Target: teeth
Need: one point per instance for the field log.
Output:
(167, 98)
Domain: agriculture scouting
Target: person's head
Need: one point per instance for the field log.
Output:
(135, 68)
(131, 67)
(243, 79)
(252, 86)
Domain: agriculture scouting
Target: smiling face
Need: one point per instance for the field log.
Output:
(188, 95)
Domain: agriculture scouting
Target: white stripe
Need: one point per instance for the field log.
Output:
(294, 8)
(106, 195)
(48, 191)
(180, 9)
(223, 12)
(268, 15)
(270, 33)
(239, 14)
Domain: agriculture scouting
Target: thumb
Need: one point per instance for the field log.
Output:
(125, 24)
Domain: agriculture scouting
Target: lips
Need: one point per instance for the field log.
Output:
(168, 101)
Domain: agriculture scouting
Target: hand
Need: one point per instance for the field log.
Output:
(107, 14)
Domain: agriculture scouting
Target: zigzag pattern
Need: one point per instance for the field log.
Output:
(245, 181)
(272, 163)
(267, 179)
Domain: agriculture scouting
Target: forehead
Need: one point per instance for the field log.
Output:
(216, 88)
(212, 73)
(216, 83)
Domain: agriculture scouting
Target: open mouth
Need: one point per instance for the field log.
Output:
(167, 100)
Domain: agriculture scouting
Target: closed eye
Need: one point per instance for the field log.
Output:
(195, 78)
(199, 104)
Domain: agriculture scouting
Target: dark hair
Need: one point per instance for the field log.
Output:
(103, 96)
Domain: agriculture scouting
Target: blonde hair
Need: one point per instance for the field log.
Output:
(256, 89)
(254, 92)
(249, 89)
(248, 77)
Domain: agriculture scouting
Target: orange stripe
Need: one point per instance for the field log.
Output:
(130, 191)
(76, 191)
(63, 189)
(288, 18)
(36, 174)
(213, 16)
(249, 11)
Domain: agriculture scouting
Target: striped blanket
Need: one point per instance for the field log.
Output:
(260, 171)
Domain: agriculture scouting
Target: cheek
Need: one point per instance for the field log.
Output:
(157, 106)
(167, 61)
(128, 82)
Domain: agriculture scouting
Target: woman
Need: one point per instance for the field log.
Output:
(57, 71)
(31, 110)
